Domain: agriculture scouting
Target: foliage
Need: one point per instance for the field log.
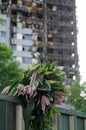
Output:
(38, 91)
(9, 70)
(1, 20)
(77, 96)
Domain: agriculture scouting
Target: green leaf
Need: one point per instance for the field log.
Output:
(47, 84)
(41, 83)
(51, 113)
(52, 81)
(48, 126)
(33, 117)
(1, 20)
(47, 73)
(35, 67)
(27, 111)
(55, 110)
(36, 83)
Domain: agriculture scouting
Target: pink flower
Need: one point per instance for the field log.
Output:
(21, 89)
(5, 90)
(44, 102)
(33, 78)
(29, 90)
(60, 97)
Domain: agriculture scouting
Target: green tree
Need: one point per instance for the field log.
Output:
(1, 20)
(77, 96)
(10, 71)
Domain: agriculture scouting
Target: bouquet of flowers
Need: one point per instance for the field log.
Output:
(40, 89)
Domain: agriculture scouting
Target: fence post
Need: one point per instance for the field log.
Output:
(71, 122)
(75, 122)
(55, 122)
(19, 118)
(84, 124)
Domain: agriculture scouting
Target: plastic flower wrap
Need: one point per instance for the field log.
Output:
(39, 90)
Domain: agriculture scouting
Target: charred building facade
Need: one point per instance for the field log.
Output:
(39, 28)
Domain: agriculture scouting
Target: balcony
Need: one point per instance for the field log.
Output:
(3, 16)
(22, 42)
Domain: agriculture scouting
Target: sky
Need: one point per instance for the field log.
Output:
(81, 36)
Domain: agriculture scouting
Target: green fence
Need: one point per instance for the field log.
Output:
(71, 120)
(11, 117)
(7, 113)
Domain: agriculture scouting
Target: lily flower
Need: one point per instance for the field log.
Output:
(5, 90)
(21, 89)
(33, 78)
(44, 102)
(60, 97)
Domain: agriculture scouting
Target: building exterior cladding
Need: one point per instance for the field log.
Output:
(39, 28)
